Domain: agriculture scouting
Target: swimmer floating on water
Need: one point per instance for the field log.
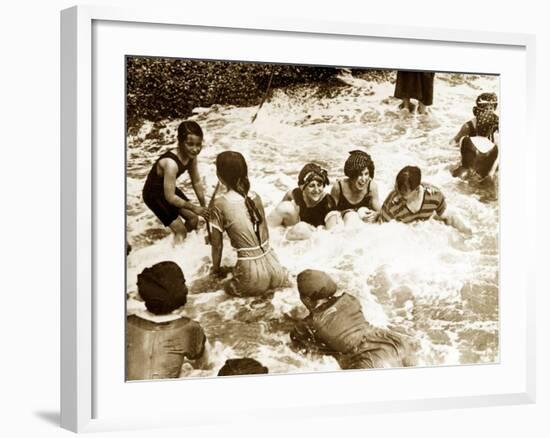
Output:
(160, 193)
(356, 196)
(307, 206)
(414, 200)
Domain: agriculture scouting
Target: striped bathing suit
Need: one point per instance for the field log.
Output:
(395, 207)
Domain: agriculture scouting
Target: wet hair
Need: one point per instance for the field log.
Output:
(408, 179)
(243, 366)
(189, 127)
(357, 162)
(231, 167)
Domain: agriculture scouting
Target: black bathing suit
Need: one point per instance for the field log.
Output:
(313, 215)
(153, 191)
(344, 205)
(480, 162)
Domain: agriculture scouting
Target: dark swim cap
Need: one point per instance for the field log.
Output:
(246, 365)
(162, 287)
(315, 284)
(310, 172)
(357, 162)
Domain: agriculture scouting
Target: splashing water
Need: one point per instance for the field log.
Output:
(424, 280)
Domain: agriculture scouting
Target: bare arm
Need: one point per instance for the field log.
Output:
(454, 220)
(375, 200)
(196, 182)
(464, 130)
(216, 242)
(335, 192)
(170, 172)
(288, 196)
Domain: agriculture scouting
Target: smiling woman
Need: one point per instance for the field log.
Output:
(356, 195)
(306, 206)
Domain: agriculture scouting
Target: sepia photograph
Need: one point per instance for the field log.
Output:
(285, 218)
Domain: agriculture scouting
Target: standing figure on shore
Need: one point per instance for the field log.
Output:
(416, 85)
(307, 206)
(415, 200)
(171, 206)
(356, 196)
(240, 213)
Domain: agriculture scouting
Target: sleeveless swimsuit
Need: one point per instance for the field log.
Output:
(313, 215)
(344, 205)
(153, 191)
(480, 162)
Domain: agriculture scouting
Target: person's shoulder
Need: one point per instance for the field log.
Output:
(194, 325)
(294, 194)
(432, 190)
(219, 202)
(392, 198)
(329, 199)
(168, 158)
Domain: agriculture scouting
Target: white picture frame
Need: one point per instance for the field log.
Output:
(85, 375)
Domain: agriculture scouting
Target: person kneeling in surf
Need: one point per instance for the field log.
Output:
(336, 326)
(479, 153)
(478, 141)
(240, 213)
(356, 196)
(160, 193)
(414, 200)
(307, 206)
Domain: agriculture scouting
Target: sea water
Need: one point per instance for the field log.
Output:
(427, 281)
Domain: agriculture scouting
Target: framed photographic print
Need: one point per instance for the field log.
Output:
(319, 209)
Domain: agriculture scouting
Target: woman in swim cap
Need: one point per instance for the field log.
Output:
(478, 141)
(307, 206)
(486, 103)
(356, 196)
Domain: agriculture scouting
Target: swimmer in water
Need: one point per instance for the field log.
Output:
(415, 200)
(336, 326)
(307, 206)
(171, 206)
(240, 213)
(356, 195)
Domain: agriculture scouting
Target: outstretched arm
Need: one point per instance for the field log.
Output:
(216, 242)
(464, 130)
(453, 219)
(196, 182)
